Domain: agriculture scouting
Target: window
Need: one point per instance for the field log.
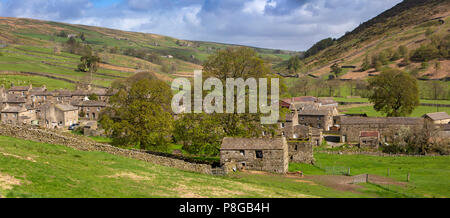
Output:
(283, 134)
(296, 147)
(242, 152)
(259, 154)
(282, 125)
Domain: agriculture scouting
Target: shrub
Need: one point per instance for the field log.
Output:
(425, 53)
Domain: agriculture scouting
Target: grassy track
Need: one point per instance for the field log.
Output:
(430, 176)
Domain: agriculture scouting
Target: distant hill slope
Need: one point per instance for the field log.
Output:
(411, 23)
(36, 46)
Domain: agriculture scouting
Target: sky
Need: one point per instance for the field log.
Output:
(278, 24)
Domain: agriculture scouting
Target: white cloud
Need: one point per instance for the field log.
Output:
(255, 6)
(284, 24)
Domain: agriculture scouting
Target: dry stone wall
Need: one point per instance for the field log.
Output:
(85, 144)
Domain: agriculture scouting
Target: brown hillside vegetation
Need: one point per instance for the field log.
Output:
(411, 23)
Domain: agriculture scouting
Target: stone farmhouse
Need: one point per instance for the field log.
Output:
(293, 130)
(261, 154)
(312, 111)
(51, 109)
(90, 109)
(58, 115)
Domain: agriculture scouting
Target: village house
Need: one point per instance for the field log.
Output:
(369, 139)
(351, 127)
(90, 109)
(37, 98)
(321, 119)
(261, 154)
(59, 115)
(438, 118)
(292, 130)
(17, 115)
(21, 91)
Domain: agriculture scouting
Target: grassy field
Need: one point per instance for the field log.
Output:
(418, 112)
(429, 176)
(30, 169)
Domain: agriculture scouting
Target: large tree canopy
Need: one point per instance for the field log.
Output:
(202, 133)
(394, 93)
(140, 114)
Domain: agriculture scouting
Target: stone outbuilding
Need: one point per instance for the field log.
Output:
(438, 118)
(261, 154)
(369, 139)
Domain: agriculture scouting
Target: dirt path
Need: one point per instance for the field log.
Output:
(338, 182)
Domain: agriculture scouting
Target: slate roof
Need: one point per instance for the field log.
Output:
(381, 120)
(305, 106)
(90, 104)
(19, 88)
(11, 98)
(369, 134)
(438, 116)
(313, 112)
(300, 99)
(13, 109)
(66, 107)
(253, 143)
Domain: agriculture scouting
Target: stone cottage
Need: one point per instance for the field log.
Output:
(58, 115)
(261, 154)
(321, 119)
(17, 115)
(20, 90)
(90, 109)
(369, 139)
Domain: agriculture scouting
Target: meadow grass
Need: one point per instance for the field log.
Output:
(45, 170)
(418, 112)
(429, 176)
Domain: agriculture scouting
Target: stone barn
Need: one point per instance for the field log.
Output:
(438, 118)
(261, 154)
(370, 139)
(388, 127)
(301, 152)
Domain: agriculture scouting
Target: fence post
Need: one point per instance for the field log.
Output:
(407, 177)
(388, 173)
(367, 178)
(348, 172)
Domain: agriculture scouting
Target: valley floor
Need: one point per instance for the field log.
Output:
(31, 169)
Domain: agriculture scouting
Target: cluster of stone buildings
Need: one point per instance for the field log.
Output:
(308, 120)
(50, 109)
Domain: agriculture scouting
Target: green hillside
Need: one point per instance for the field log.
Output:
(31, 169)
(40, 47)
(411, 23)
